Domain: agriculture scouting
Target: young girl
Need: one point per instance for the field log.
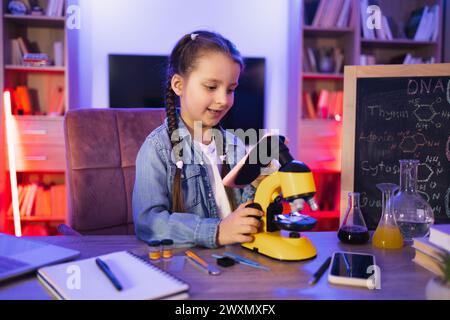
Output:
(178, 191)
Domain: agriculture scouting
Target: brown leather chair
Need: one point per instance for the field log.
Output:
(101, 150)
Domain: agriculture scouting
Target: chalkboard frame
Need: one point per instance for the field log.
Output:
(351, 75)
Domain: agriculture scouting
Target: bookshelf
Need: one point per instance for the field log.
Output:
(50, 69)
(320, 133)
(37, 134)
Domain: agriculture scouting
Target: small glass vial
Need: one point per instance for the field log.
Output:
(154, 252)
(167, 248)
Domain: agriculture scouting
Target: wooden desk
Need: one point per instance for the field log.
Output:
(400, 277)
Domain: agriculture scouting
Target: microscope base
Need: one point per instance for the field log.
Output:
(277, 246)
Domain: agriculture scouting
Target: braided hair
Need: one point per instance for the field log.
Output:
(182, 61)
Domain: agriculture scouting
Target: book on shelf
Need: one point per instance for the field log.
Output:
(58, 200)
(309, 109)
(26, 53)
(345, 14)
(324, 105)
(306, 66)
(328, 13)
(368, 33)
(329, 19)
(323, 60)
(26, 200)
(311, 60)
(16, 53)
(29, 206)
(20, 198)
(20, 47)
(43, 202)
(338, 60)
(37, 199)
(319, 13)
(435, 26)
(406, 58)
(385, 25)
(380, 33)
(55, 8)
(56, 103)
(24, 190)
(22, 101)
(310, 10)
(26, 102)
(423, 24)
(440, 236)
(36, 60)
(23, 46)
(367, 60)
(58, 49)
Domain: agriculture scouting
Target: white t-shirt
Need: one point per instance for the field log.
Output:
(214, 166)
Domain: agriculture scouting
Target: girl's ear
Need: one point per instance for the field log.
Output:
(177, 84)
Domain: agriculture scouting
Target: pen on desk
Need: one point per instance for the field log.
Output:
(202, 263)
(316, 276)
(107, 271)
(242, 260)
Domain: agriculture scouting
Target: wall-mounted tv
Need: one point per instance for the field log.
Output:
(137, 81)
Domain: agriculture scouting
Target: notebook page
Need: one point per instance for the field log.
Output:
(139, 279)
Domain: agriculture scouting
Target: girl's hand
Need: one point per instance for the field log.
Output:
(238, 225)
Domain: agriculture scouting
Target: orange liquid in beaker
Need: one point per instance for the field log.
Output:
(387, 237)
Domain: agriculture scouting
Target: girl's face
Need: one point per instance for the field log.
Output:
(207, 93)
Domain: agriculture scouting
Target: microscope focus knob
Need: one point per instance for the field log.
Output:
(313, 204)
(257, 206)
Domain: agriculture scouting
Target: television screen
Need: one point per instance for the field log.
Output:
(138, 81)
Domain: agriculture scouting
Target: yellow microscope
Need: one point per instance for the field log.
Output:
(280, 236)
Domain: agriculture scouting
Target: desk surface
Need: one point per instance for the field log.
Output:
(400, 277)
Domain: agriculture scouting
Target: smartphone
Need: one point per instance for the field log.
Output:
(354, 269)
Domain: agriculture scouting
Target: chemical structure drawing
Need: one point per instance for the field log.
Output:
(426, 112)
(411, 143)
(425, 171)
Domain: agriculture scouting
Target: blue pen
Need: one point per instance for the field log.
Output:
(107, 271)
(240, 259)
(245, 261)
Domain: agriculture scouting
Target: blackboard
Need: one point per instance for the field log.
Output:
(400, 118)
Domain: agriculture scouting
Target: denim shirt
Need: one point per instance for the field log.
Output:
(152, 193)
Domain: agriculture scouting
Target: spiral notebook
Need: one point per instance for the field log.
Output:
(83, 280)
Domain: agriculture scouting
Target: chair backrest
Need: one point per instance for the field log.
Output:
(101, 150)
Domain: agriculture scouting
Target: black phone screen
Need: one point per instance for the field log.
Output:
(352, 265)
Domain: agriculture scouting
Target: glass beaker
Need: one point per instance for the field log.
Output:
(413, 214)
(387, 235)
(353, 229)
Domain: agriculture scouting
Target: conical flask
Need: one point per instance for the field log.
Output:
(413, 214)
(387, 235)
(353, 229)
